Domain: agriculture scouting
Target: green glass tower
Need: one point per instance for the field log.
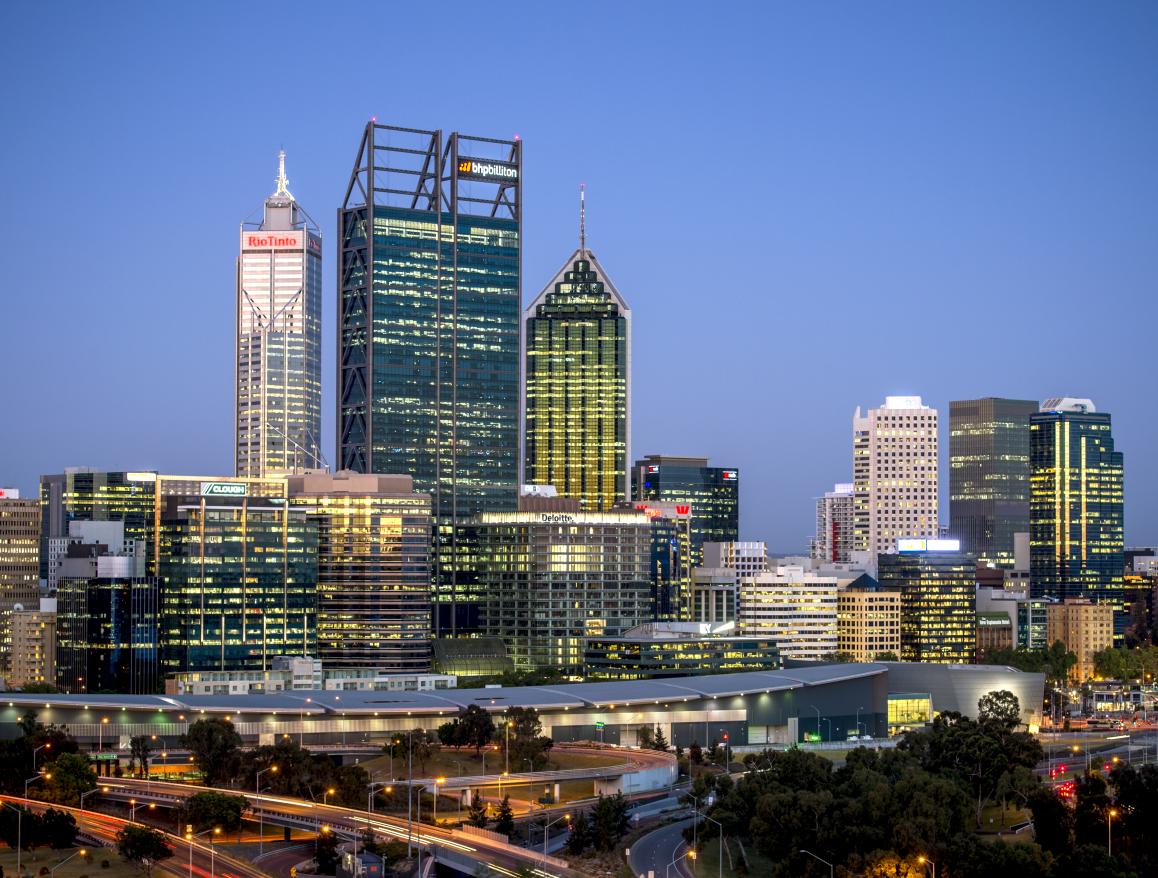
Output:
(1077, 532)
(429, 308)
(989, 475)
(578, 384)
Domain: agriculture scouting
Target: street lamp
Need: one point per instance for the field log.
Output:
(689, 853)
(47, 746)
(32, 780)
(82, 853)
(326, 795)
(817, 709)
(546, 828)
(101, 734)
(136, 805)
(437, 781)
(260, 810)
(720, 866)
(822, 859)
(190, 838)
(89, 793)
(1110, 815)
(925, 861)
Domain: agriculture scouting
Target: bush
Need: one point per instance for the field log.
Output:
(44, 870)
(104, 864)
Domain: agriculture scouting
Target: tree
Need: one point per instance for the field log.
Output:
(213, 809)
(1000, 706)
(477, 813)
(215, 746)
(887, 656)
(645, 737)
(505, 817)
(450, 734)
(19, 824)
(696, 754)
(142, 845)
(58, 829)
(326, 853)
(139, 752)
(420, 742)
(478, 727)
(609, 821)
(581, 836)
(69, 776)
(660, 742)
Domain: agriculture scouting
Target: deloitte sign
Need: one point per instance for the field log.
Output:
(224, 489)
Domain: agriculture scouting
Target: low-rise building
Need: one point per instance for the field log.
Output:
(995, 631)
(302, 674)
(679, 649)
(868, 620)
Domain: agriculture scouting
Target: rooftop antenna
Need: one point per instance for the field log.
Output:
(582, 220)
(282, 182)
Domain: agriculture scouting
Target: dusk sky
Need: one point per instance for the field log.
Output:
(808, 207)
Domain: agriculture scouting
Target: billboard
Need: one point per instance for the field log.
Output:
(487, 169)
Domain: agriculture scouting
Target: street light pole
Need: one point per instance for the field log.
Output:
(817, 709)
(925, 861)
(720, 865)
(82, 853)
(689, 853)
(47, 746)
(261, 811)
(1110, 815)
(547, 828)
(831, 868)
(190, 838)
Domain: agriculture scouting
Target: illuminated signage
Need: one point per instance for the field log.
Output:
(485, 169)
(224, 489)
(315, 244)
(274, 240)
(141, 477)
(653, 468)
(556, 518)
(683, 509)
(10, 493)
(916, 544)
(730, 475)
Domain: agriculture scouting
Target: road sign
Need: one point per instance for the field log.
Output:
(599, 724)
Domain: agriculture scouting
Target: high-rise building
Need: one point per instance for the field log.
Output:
(429, 308)
(792, 606)
(744, 558)
(713, 598)
(1085, 628)
(278, 414)
(989, 475)
(868, 620)
(671, 558)
(938, 586)
(833, 542)
(19, 563)
(712, 494)
(556, 578)
(107, 613)
(894, 467)
(578, 384)
(373, 569)
(34, 646)
(1076, 506)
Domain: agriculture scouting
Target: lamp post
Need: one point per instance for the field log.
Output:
(82, 853)
(302, 723)
(19, 834)
(89, 793)
(47, 746)
(1110, 815)
(547, 828)
(437, 782)
(925, 861)
(101, 734)
(326, 796)
(817, 709)
(689, 853)
(190, 838)
(260, 811)
(858, 710)
(135, 805)
(720, 865)
(831, 870)
(32, 780)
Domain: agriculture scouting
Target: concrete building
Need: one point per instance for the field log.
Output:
(374, 571)
(554, 579)
(279, 339)
(34, 646)
(19, 563)
(1085, 628)
(795, 608)
(995, 631)
(744, 559)
(835, 524)
(713, 600)
(894, 463)
(868, 620)
(302, 674)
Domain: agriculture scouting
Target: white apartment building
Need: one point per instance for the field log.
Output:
(894, 463)
(833, 542)
(794, 607)
(744, 559)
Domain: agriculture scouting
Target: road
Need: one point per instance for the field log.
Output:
(651, 854)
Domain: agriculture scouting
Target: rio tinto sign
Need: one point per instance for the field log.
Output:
(280, 241)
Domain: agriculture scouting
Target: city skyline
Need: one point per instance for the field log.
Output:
(899, 243)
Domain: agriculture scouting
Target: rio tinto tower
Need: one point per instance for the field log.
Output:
(279, 316)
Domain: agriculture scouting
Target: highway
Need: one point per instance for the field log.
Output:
(653, 853)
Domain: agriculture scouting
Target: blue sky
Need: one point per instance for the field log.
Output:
(808, 206)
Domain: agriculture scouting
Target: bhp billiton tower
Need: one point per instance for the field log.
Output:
(279, 339)
(428, 330)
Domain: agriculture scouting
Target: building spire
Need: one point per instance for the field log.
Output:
(582, 220)
(282, 182)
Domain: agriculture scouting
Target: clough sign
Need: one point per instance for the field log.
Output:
(224, 489)
(485, 169)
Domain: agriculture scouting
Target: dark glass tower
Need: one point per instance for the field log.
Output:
(712, 492)
(1076, 538)
(938, 602)
(989, 474)
(578, 384)
(429, 275)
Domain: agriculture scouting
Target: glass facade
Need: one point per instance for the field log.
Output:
(909, 711)
(938, 604)
(633, 658)
(577, 394)
(713, 493)
(1076, 510)
(989, 475)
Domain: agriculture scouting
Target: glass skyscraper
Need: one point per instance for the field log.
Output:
(989, 475)
(712, 492)
(428, 330)
(1076, 506)
(938, 586)
(578, 385)
(279, 339)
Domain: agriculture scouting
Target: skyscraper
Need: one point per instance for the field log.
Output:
(578, 383)
(279, 338)
(712, 494)
(833, 541)
(19, 563)
(428, 329)
(989, 475)
(894, 466)
(1076, 506)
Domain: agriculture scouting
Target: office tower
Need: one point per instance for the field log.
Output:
(238, 569)
(868, 620)
(744, 558)
(373, 569)
(894, 467)
(792, 606)
(1076, 513)
(34, 646)
(713, 600)
(1085, 628)
(671, 558)
(107, 613)
(712, 494)
(278, 414)
(989, 475)
(556, 578)
(938, 586)
(578, 384)
(833, 542)
(430, 243)
(676, 649)
(19, 563)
